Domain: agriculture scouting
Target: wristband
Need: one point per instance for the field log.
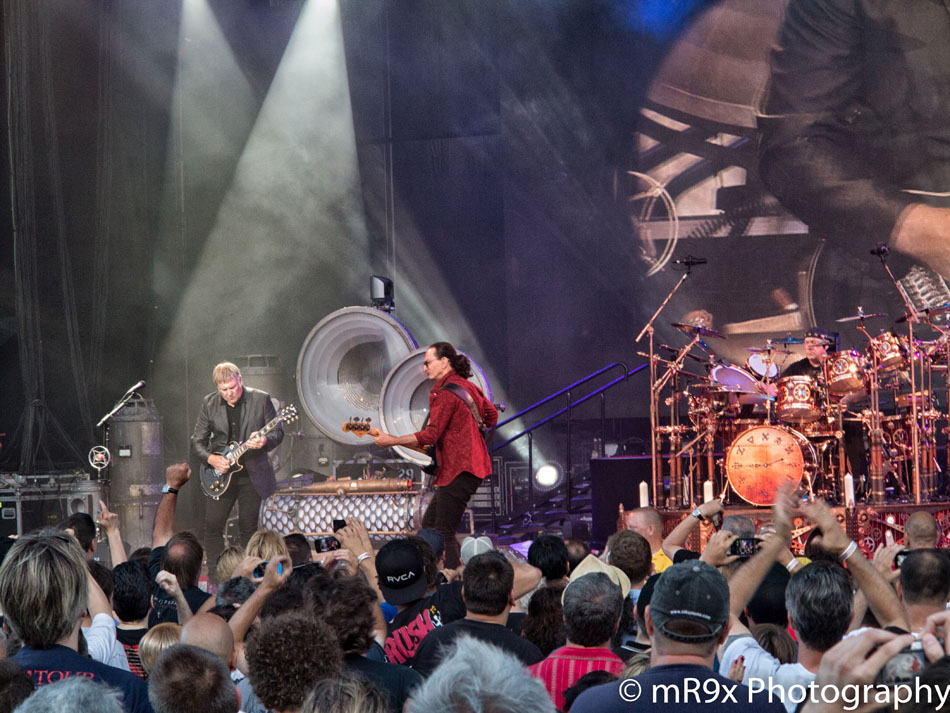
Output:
(848, 551)
(697, 514)
(793, 564)
(169, 489)
(364, 556)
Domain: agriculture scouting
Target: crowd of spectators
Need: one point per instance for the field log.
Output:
(385, 627)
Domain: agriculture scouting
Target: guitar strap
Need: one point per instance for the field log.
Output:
(463, 394)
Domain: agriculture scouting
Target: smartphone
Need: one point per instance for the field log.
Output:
(259, 569)
(715, 520)
(904, 667)
(744, 546)
(338, 524)
(900, 557)
(326, 543)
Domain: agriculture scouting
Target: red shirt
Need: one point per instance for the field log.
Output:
(561, 669)
(459, 445)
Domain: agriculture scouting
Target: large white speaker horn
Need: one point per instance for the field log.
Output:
(404, 399)
(342, 365)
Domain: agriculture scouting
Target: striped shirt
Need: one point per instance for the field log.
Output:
(561, 669)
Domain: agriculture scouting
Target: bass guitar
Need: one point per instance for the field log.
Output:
(362, 427)
(214, 482)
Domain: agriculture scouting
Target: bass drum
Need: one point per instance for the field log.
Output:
(763, 459)
(404, 399)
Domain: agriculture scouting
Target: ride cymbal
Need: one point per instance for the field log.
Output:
(860, 315)
(701, 331)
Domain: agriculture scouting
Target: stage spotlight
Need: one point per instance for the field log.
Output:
(381, 293)
(548, 476)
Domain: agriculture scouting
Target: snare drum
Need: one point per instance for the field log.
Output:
(844, 372)
(763, 459)
(821, 429)
(891, 352)
(799, 399)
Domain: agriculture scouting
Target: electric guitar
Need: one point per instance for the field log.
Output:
(215, 482)
(362, 427)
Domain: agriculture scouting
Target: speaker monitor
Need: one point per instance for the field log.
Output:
(614, 482)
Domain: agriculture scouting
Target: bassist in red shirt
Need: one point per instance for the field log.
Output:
(461, 451)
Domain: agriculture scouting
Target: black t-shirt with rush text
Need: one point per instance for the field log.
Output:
(410, 626)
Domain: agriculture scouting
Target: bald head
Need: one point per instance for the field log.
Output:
(920, 531)
(211, 633)
(647, 522)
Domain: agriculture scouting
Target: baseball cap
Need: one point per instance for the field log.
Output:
(591, 564)
(435, 539)
(829, 338)
(472, 546)
(401, 571)
(690, 592)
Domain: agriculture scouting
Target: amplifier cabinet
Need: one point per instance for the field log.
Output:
(27, 509)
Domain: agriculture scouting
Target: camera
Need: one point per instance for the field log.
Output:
(744, 546)
(326, 543)
(338, 524)
(904, 667)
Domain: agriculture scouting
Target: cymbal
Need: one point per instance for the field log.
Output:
(860, 315)
(925, 314)
(701, 331)
(788, 340)
(776, 350)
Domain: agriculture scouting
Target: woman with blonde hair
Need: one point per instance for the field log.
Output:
(267, 545)
(156, 640)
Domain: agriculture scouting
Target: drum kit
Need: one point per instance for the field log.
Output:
(748, 430)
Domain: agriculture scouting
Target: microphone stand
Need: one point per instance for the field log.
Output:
(126, 397)
(657, 475)
(103, 423)
(912, 317)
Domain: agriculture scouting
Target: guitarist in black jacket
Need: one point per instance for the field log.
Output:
(232, 414)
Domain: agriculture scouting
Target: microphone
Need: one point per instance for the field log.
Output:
(690, 261)
(137, 386)
(881, 250)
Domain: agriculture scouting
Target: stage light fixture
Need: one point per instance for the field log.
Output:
(548, 476)
(381, 293)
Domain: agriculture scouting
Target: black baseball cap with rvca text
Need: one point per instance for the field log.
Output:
(401, 571)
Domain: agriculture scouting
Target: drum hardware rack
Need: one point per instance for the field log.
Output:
(807, 416)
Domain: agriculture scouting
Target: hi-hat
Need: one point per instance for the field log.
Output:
(701, 331)
(680, 370)
(860, 315)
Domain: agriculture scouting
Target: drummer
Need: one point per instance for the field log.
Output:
(817, 342)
